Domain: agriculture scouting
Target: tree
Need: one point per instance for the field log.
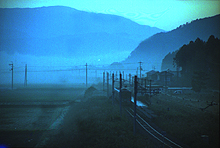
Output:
(199, 56)
(199, 81)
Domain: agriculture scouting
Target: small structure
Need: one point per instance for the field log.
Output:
(166, 78)
(153, 75)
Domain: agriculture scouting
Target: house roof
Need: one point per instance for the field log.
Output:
(165, 72)
(151, 72)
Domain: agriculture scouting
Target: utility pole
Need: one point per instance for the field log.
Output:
(145, 84)
(120, 99)
(130, 81)
(140, 68)
(25, 77)
(103, 80)
(135, 102)
(113, 88)
(86, 74)
(150, 91)
(123, 77)
(137, 71)
(140, 73)
(129, 78)
(107, 84)
(12, 75)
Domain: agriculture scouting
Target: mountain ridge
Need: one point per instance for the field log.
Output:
(45, 23)
(152, 50)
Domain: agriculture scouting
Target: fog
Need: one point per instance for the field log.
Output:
(48, 69)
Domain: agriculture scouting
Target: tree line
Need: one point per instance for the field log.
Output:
(200, 63)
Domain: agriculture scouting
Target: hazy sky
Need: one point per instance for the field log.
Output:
(164, 14)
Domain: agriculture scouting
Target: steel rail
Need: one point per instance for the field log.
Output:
(157, 131)
(147, 130)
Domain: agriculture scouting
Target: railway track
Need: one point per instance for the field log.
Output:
(153, 132)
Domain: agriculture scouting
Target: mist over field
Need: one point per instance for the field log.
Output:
(109, 73)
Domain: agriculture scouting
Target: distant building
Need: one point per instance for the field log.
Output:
(166, 78)
(153, 75)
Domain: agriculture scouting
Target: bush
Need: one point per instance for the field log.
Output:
(89, 91)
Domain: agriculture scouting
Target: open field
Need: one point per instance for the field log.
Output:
(23, 120)
(37, 92)
(182, 117)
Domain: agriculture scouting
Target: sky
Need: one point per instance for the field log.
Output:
(164, 14)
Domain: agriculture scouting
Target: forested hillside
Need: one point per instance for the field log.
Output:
(200, 63)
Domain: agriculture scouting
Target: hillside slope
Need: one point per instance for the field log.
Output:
(152, 50)
(65, 31)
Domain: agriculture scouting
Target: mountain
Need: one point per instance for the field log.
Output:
(65, 31)
(152, 50)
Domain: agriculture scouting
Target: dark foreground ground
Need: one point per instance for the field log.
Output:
(19, 138)
(93, 122)
(96, 123)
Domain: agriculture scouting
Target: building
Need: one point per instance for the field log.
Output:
(153, 75)
(164, 78)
